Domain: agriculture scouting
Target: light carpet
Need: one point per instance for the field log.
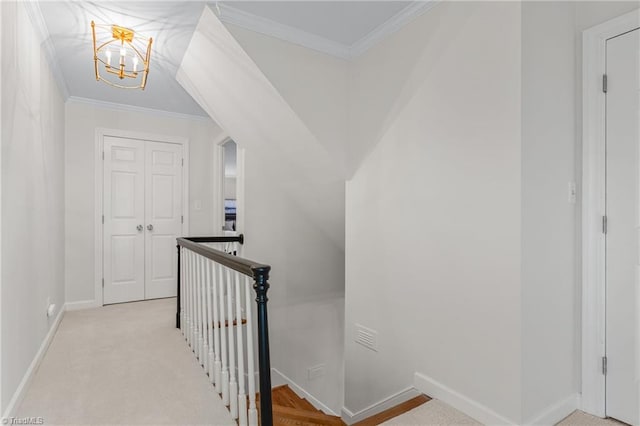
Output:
(433, 412)
(579, 418)
(122, 364)
(438, 413)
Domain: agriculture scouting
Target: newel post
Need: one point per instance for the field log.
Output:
(178, 313)
(261, 286)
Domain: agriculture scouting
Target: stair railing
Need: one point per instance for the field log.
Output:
(214, 313)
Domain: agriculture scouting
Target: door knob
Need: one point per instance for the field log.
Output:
(139, 227)
(150, 227)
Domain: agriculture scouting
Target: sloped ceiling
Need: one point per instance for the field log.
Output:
(171, 25)
(340, 28)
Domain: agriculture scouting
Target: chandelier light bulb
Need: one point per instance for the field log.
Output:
(123, 55)
(108, 55)
(135, 63)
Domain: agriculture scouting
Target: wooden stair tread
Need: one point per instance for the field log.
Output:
(281, 413)
(226, 323)
(303, 404)
(291, 410)
(286, 397)
(394, 411)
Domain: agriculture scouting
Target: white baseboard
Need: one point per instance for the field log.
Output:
(278, 379)
(20, 392)
(82, 304)
(378, 407)
(556, 412)
(458, 401)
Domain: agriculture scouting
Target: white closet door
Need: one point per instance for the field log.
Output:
(163, 217)
(124, 237)
(623, 235)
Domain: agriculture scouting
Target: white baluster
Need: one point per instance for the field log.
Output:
(252, 412)
(233, 384)
(187, 322)
(194, 306)
(183, 295)
(200, 302)
(217, 364)
(223, 340)
(209, 284)
(205, 327)
(197, 281)
(191, 301)
(242, 396)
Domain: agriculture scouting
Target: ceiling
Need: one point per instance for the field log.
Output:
(339, 24)
(344, 22)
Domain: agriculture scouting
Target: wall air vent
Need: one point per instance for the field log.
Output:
(366, 337)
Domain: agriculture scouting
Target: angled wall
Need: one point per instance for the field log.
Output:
(292, 131)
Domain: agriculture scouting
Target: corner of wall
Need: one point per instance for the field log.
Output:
(555, 412)
(397, 398)
(22, 388)
(461, 402)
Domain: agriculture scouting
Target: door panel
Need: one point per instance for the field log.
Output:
(623, 212)
(123, 212)
(164, 214)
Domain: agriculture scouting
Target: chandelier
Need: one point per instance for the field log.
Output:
(120, 56)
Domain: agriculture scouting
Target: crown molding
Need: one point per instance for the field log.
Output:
(390, 26)
(231, 15)
(249, 21)
(132, 108)
(35, 15)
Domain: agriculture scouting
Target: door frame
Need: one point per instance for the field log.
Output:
(218, 185)
(594, 207)
(99, 193)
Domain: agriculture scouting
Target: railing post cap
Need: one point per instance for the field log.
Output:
(261, 271)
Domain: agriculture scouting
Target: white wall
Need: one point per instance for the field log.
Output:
(32, 196)
(1, 139)
(551, 157)
(548, 219)
(82, 119)
(264, 94)
(433, 212)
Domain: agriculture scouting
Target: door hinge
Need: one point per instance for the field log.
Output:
(103, 283)
(103, 155)
(604, 365)
(605, 81)
(181, 219)
(103, 219)
(183, 162)
(604, 224)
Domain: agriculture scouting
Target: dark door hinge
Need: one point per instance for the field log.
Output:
(605, 83)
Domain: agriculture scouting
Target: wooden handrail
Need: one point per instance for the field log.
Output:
(244, 266)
